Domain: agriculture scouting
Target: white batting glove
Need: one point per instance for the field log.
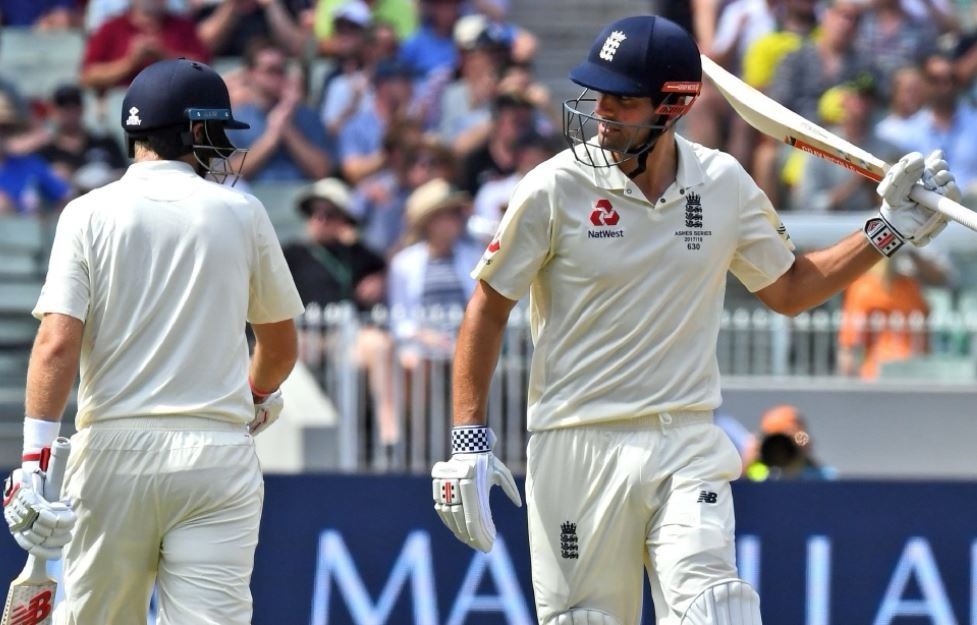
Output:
(40, 527)
(266, 412)
(462, 485)
(900, 218)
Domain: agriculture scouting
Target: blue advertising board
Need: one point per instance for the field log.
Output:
(369, 550)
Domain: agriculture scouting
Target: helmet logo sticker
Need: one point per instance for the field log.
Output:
(611, 44)
(133, 119)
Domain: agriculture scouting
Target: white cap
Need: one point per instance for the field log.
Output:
(355, 11)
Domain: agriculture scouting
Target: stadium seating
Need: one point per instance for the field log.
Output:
(39, 61)
(23, 248)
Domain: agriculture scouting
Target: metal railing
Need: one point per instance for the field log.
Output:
(394, 411)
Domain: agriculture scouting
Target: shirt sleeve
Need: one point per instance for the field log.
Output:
(522, 243)
(67, 288)
(273, 295)
(764, 251)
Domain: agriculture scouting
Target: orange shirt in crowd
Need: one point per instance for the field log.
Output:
(869, 295)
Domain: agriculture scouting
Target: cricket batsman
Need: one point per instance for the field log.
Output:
(151, 282)
(623, 242)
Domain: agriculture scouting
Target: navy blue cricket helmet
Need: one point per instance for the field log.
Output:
(640, 56)
(171, 95)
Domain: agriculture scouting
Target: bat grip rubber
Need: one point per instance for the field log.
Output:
(54, 479)
(955, 211)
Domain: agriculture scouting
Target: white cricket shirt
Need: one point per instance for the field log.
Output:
(626, 293)
(164, 268)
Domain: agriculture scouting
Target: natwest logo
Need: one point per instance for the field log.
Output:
(604, 214)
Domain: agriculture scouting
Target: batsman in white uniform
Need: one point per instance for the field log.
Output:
(150, 285)
(623, 242)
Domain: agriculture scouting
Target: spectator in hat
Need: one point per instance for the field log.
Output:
(285, 140)
(350, 21)
(401, 15)
(466, 102)
(67, 145)
(123, 45)
(411, 160)
(331, 266)
(431, 274)
(359, 139)
(27, 183)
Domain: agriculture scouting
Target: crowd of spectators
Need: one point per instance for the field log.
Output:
(428, 112)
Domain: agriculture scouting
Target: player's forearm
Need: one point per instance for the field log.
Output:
(816, 276)
(476, 353)
(275, 353)
(53, 366)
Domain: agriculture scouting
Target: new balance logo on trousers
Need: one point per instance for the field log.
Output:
(706, 496)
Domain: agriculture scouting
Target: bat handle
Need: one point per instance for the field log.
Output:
(56, 468)
(955, 211)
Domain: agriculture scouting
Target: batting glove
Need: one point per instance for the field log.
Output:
(40, 527)
(902, 219)
(266, 412)
(462, 485)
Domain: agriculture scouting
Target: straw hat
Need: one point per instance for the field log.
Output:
(427, 200)
(333, 190)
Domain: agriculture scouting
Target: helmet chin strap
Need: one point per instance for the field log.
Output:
(641, 157)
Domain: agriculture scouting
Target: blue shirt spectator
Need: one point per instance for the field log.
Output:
(27, 183)
(280, 164)
(286, 141)
(52, 13)
(426, 50)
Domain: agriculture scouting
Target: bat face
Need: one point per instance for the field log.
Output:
(29, 603)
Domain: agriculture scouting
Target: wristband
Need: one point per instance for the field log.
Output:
(471, 439)
(39, 434)
(882, 236)
(257, 394)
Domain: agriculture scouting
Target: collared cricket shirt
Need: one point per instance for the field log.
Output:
(164, 268)
(626, 292)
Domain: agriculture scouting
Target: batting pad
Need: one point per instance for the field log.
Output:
(729, 602)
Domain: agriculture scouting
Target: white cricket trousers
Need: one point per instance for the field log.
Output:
(171, 500)
(607, 501)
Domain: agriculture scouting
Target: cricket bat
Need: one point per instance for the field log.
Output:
(775, 120)
(30, 600)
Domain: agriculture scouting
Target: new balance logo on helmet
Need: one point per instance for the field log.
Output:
(611, 44)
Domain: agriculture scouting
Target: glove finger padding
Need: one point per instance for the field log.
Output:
(462, 486)
(937, 177)
(894, 188)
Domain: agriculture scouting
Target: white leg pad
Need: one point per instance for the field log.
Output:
(729, 602)
(582, 616)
